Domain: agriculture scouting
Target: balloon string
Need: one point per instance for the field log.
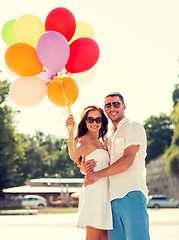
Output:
(66, 99)
(67, 102)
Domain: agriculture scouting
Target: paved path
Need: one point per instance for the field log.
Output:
(164, 225)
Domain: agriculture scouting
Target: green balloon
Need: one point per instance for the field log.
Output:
(8, 33)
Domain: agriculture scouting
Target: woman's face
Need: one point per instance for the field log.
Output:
(94, 121)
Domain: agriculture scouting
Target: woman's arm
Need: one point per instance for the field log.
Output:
(74, 151)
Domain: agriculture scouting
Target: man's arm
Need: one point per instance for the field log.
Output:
(119, 166)
(87, 166)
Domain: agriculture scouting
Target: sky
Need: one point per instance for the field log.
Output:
(139, 52)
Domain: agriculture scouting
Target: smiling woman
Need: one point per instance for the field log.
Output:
(89, 143)
(91, 129)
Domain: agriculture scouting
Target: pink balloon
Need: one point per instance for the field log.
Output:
(28, 91)
(53, 51)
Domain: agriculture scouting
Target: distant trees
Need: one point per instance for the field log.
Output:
(11, 147)
(47, 156)
(159, 132)
(23, 157)
(172, 154)
(175, 95)
(163, 136)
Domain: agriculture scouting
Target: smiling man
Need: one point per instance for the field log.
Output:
(128, 191)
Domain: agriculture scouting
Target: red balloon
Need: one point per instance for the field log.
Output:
(84, 53)
(61, 20)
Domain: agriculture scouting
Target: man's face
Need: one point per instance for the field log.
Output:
(114, 109)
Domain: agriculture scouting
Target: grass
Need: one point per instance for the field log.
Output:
(49, 210)
(58, 210)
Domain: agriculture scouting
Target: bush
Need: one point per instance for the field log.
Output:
(172, 161)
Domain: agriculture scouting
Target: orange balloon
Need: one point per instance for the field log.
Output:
(22, 59)
(63, 92)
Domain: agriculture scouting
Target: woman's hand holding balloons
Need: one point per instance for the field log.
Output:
(70, 123)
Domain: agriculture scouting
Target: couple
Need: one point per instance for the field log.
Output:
(114, 209)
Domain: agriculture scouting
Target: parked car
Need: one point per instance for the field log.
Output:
(162, 201)
(59, 203)
(63, 203)
(34, 201)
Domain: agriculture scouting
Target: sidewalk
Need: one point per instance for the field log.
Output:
(164, 225)
(19, 212)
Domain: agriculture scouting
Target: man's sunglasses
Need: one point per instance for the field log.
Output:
(114, 104)
(91, 119)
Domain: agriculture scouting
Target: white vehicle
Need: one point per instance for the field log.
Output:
(162, 201)
(34, 201)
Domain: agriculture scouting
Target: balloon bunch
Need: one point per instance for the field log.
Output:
(49, 59)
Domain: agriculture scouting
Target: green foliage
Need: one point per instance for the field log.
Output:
(175, 120)
(48, 156)
(159, 134)
(172, 154)
(172, 160)
(11, 149)
(23, 157)
(175, 95)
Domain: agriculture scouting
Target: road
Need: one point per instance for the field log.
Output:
(164, 224)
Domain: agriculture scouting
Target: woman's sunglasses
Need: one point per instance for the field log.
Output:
(91, 119)
(114, 104)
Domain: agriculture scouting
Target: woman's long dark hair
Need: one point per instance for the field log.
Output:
(82, 129)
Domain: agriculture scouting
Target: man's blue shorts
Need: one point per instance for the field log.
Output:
(130, 218)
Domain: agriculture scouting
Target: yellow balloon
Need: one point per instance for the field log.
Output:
(28, 29)
(83, 29)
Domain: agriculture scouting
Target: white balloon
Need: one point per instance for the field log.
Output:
(28, 91)
(83, 77)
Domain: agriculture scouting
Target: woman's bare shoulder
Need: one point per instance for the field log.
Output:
(84, 139)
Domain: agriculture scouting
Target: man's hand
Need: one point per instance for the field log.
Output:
(91, 178)
(87, 166)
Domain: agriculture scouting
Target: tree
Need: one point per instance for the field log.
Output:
(175, 95)
(172, 154)
(175, 120)
(47, 156)
(159, 134)
(11, 147)
(172, 161)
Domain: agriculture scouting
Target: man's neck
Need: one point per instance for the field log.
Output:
(116, 123)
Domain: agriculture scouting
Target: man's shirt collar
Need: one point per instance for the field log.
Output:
(121, 123)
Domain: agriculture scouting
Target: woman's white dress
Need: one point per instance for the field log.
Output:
(94, 204)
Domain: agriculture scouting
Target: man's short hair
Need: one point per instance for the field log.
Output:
(116, 94)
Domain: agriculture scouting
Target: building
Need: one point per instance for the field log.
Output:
(50, 188)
